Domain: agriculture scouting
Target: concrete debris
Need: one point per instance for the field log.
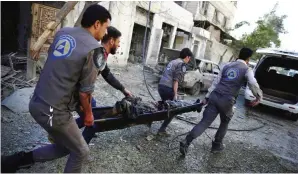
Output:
(139, 147)
(6, 119)
(18, 102)
(150, 137)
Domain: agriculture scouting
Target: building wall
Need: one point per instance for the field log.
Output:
(170, 13)
(215, 50)
(126, 13)
(214, 33)
(123, 15)
(192, 6)
(201, 36)
(225, 9)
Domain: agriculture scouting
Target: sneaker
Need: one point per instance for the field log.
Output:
(217, 147)
(184, 147)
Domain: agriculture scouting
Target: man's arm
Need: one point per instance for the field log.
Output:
(216, 80)
(86, 81)
(178, 77)
(175, 88)
(111, 80)
(253, 84)
(85, 100)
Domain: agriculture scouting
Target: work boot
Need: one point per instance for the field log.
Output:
(217, 147)
(12, 163)
(184, 147)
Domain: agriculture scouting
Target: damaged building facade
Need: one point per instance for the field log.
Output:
(199, 25)
(169, 25)
(212, 20)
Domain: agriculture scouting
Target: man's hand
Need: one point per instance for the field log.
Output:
(175, 97)
(254, 103)
(205, 101)
(127, 93)
(89, 120)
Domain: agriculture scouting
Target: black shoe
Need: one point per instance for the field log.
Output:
(184, 147)
(12, 163)
(217, 147)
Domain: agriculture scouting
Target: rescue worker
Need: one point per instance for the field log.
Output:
(110, 43)
(221, 97)
(75, 58)
(168, 84)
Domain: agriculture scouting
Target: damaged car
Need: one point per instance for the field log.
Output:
(199, 72)
(199, 75)
(277, 77)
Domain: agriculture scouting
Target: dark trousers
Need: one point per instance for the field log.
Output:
(166, 93)
(218, 104)
(67, 136)
(89, 131)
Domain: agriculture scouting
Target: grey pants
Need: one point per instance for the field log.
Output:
(218, 104)
(66, 134)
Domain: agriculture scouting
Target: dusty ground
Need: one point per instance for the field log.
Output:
(272, 148)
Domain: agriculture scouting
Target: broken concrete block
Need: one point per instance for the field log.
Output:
(18, 102)
(150, 137)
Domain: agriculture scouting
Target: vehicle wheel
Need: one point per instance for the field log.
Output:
(195, 90)
(294, 117)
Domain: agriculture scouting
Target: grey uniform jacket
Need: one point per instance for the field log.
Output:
(74, 60)
(231, 77)
(174, 71)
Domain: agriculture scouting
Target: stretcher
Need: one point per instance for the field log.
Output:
(125, 114)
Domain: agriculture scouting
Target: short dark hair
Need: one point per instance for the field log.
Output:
(185, 52)
(112, 33)
(245, 53)
(93, 13)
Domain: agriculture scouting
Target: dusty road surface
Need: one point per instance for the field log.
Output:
(271, 145)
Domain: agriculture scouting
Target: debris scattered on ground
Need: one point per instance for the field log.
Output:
(11, 78)
(139, 147)
(18, 102)
(109, 153)
(150, 137)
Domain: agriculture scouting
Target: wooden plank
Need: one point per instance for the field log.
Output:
(50, 27)
(8, 77)
(31, 65)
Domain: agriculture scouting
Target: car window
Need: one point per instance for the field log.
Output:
(208, 68)
(282, 71)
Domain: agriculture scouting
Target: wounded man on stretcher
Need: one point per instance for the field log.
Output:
(132, 111)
